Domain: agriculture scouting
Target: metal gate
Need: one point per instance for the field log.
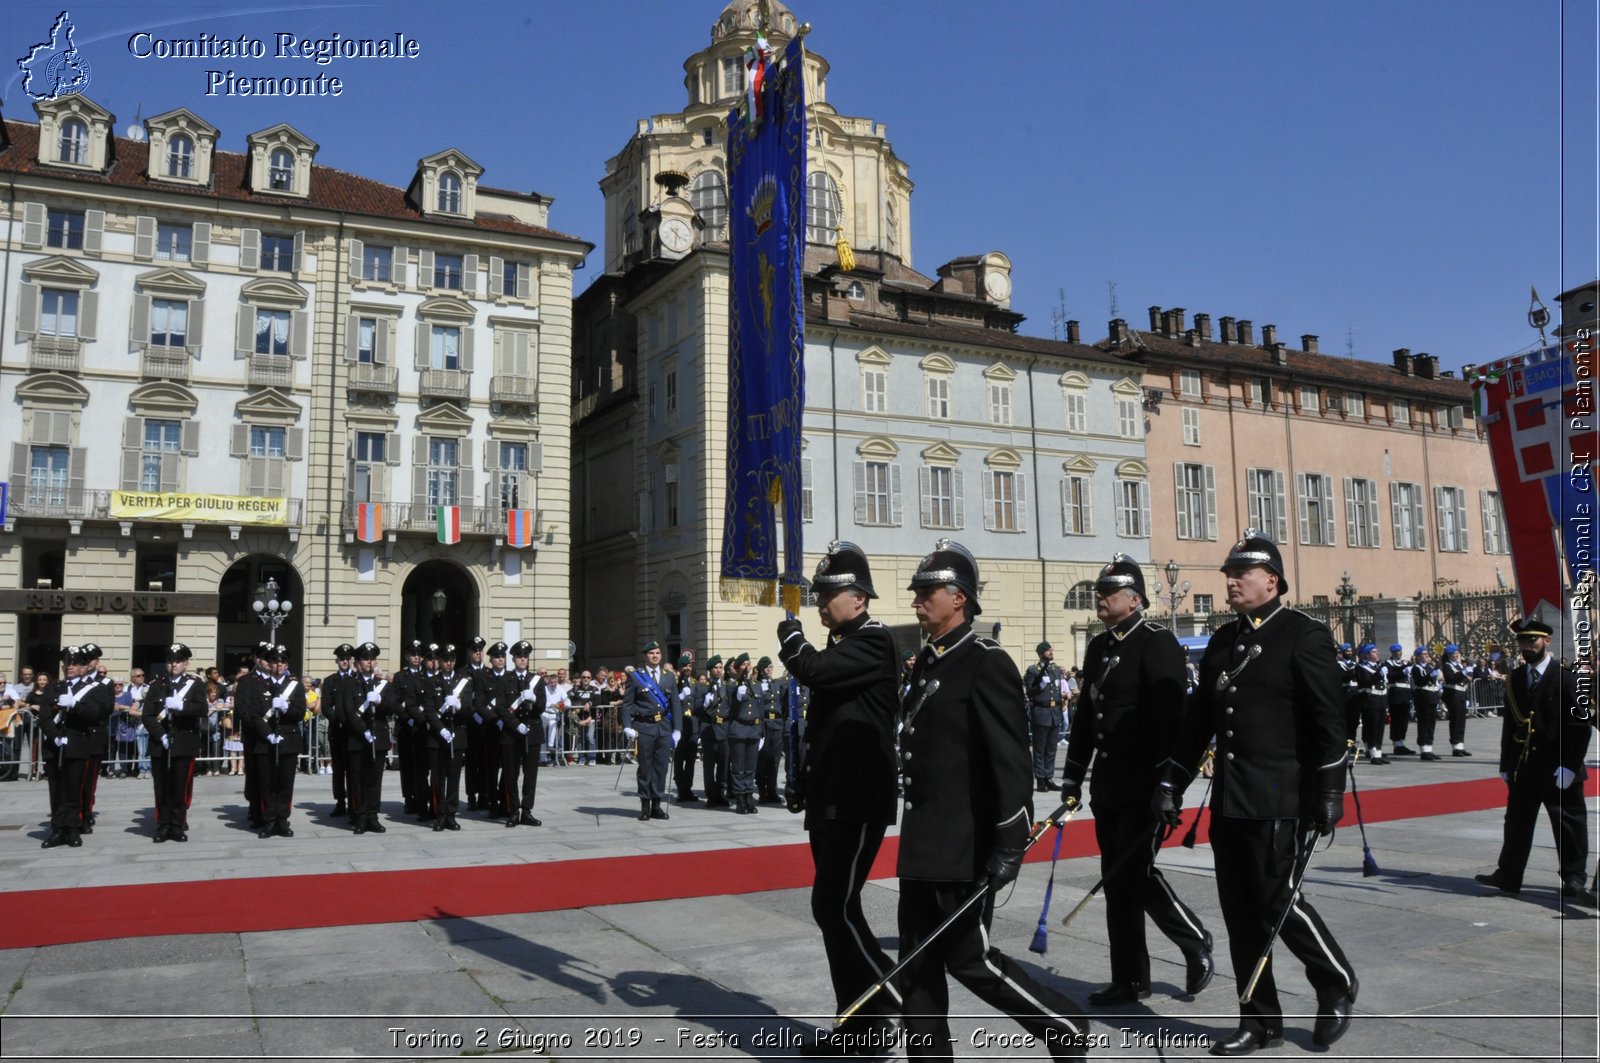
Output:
(1474, 621)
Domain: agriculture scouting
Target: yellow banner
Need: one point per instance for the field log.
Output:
(215, 509)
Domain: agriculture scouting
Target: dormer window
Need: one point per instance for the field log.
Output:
(280, 173)
(73, 145)
(449, 193)
(180, 156)
(64, 229)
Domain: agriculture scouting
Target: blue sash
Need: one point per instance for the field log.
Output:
(655, 690)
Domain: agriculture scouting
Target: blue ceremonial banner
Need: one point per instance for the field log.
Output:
(5, 498)
(766, 348)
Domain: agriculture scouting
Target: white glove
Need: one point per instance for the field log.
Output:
(452, 702)
(477, 718)
(629, 733)
(61, 741)
(683, 694)
(1044, 682)
(173, 703)
(444, 733)
(1505, 778)
(369, 736)
(166, 741)
(743, 691)
(281, 704)
(374, 698)
(66, 701)
(675, 736)
(1564, 777)
(274, 739)
(709, 699)
(531, 694)
(522, 728)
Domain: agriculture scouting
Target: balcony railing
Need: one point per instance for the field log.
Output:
(422, 517)
(444, 383)
(512, 390)
(375, 378)
(61, 354)
(62, 503)
(165, 363)
(271, 371)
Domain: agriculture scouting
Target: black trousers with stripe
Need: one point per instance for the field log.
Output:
(842, 854)
(965, 953)
(1255, 859)
(1138, 890)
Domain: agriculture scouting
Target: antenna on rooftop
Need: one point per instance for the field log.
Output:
(1058, 316)
(1350, 341)
(1112, 286)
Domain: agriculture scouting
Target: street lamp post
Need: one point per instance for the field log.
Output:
(1174, 592)
(270, 609)
(1347, 603)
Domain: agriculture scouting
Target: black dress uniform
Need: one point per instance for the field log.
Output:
(968, 780)
(844, 780)
(687, 751)
(248, 695)
(275, 715)
(368, 716)
(1046, 716)
(1427, 687)
(449, 744)
(712, 705)
(1354, 699)
(486, 732)
(97, 689)
(1397, 674)
(473, 773)
(408, 740)
(772, 704)
(1456, 683)
(76, 714)
(1372, 689)
(1126, 724)
(647, 709)
(744, 734)
(520, 702)
(1271, 696)
(175, 709)
(338, 688)
(1543, 743)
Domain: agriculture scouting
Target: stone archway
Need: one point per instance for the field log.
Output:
(239, 628)
(439, 603)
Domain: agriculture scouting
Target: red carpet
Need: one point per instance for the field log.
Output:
(289, 902)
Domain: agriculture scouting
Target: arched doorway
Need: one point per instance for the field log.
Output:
(439, 603)
(239, 628)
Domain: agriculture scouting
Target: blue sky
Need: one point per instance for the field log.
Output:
(1382, 174)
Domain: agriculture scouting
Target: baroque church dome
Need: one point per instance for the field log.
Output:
(741, 16)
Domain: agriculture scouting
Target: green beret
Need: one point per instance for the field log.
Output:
(765, 662)
(743, 658)
(1041, 647)
(684, 660)
(713, 661)
(650, 646)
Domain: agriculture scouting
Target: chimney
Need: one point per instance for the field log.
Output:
(1269, 335)
(1308, 343)
(1448, 374)
(1202, 325)
(1178, 314)
(1280, 353)
(1225, 327)
(1119, 330)
(1427, 366)
(1247, 332)
(1156, 324)
(1402, 360)
(1072, 332)
(1193, 337)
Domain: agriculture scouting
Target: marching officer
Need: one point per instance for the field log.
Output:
(1372, 684)
(845, 780)
(1543, 743)
(449, 738)
(1271, 697)
(479, 670)
(687, 750)
(367, 719)
(1427, 685)
(1045, 715)
(1354, 699)
(1126, 724)
(744, 736)
(713, 702)
(338, 691)
(647, 718)
(276, 717)
(1397, 677)
(520, 699)
(174, 709)
(1456, 683)
(772, 703)
(409, 682)
(968, 780)
(97, 689)
(79, 714)
(488, 740)
(251, 694)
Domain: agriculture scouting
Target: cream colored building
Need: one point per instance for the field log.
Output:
(253, 325)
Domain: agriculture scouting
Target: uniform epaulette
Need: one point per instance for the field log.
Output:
(1153, 626)
(988, 644)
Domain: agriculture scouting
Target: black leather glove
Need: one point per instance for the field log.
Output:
(1165, 803)
(1329, 811)
(794, 799)
(789, 627)
(1071, 792)
(1003, 867)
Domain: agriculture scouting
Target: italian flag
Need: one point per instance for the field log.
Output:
(449, 524)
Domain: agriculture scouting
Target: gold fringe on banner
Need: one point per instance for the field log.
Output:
(791, 598)
(749, 591)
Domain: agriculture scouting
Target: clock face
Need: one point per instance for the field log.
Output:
(998, 285)
(676, 236)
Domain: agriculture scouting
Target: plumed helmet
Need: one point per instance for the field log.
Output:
(1257, 548)
(950, 563)
(1122, 574)
(844, 566)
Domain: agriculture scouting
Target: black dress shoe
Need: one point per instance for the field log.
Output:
(88, 827)
(1244, 1041)
(359, 827)
(527, 820)
(1402, 751)
(1459, 753)
(161, 835)
(1201, 966)
(375, 827)
(282, 829)
(179, 836)
(56, 839)
(266, 832)
(1495, 881)
(1589, 898)
(1573, 887)
(339, 809)
(1114, 994)
(687, 799)
(451, 824)
(1048, 785)
(1333, 1015)
(1427, 756)
(438, 824)
(657, 812)
(73, 839)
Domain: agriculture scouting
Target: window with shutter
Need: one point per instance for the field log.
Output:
(1077, 506)
(807, 493)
